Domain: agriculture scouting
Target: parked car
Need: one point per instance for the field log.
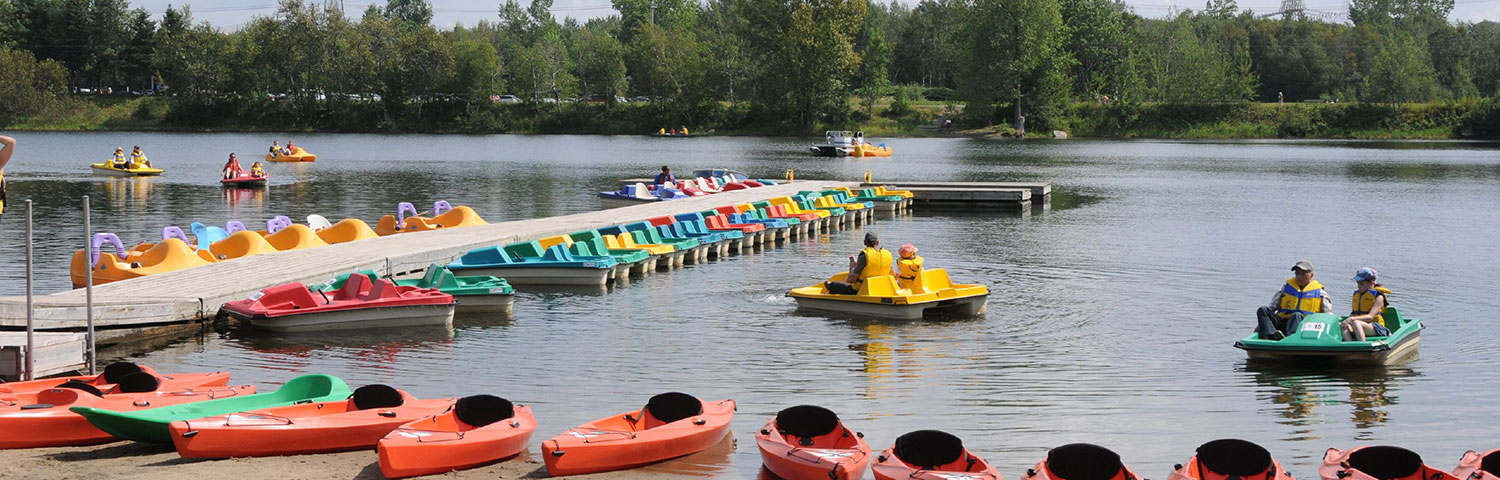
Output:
(642, 99)
(505, 99)
(596, 98)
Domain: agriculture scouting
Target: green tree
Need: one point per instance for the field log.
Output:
(873, 80)
(1097, 40)
(1010, 54)
(1401, 72)
(27, 86)
(601, 64)
(412, 13)
(476, 69)
(804, 55)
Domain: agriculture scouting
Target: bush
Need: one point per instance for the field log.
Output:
(938, 94)
(28, 87)
(900, 105)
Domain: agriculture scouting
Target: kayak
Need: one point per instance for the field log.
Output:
(809, 442)
(244, 180)
(477, 293)
(671, 425)
(1320, 338)
(931, 455)
(359, 303)
(1230, 458)
(45, 418)
(297, 155)
(1479, 466)
(111, 376)
(1080, 461)
(150, 425)
(1378, 463)
(881, 297)
(108, 168)
(478, 430)
(359, 422)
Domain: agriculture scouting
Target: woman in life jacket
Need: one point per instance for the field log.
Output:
(1364, 315)
(909, 269)
(118, 161)
(232, 167)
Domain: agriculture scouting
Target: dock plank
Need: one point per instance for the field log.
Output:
(1038, 189)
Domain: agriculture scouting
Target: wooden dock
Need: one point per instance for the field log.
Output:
(969, 195)
(56, 352)
(170, 303)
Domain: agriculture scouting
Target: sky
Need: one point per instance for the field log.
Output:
(230, 14)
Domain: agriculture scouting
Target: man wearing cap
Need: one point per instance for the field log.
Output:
(1299, 297)
(872, 261)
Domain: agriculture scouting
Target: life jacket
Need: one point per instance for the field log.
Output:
(909, 273)
(119, 159)
(665, 179)
(1364, 301)
(684, 130)
(1307, 301)
(877, 263)
(138, 158)
(257, 172)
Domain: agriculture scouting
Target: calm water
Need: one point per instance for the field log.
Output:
(1111, 321)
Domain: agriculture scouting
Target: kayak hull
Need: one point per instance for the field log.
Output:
(296, 429)
(438, 444)
(376, 317)
(175, 381)
(600, 446)
(45, 418)
(150, 425)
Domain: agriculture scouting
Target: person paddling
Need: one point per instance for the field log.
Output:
(1299, 297)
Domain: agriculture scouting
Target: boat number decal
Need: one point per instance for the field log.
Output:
(1313, 327)
(830, 454)
(497, 290)
(415, 434)
(588, 264)
(256, 295)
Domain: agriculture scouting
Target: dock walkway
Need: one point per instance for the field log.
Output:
(171, 302)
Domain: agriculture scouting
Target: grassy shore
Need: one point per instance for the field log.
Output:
(917, 118)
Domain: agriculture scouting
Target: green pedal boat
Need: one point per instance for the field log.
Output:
(1320, 338)
(150, 425)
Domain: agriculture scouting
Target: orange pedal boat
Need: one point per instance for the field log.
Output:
(670, 426)
(931, 455)
(809, 442)
(357, 423)
(112, 374)
(43, 419)
(1080, 461)
(479, 429)
(1230, 458)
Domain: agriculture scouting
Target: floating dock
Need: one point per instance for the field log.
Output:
(173, 303)
(969, 195)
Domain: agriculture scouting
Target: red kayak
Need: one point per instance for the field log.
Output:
(43, 419)
(357, 423)
(931, 455)
(1081, 461)
(105, 382)
(478, 430)
(1230, 458)
(670, 426)
(809, 442)
(244, 180)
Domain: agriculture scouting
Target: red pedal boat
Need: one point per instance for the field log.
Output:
(361, 303)
(245, 180)
(479, 429)
(43, 419)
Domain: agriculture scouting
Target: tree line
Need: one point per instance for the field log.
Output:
(791, 64)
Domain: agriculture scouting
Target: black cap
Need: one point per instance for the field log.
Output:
(870, 239)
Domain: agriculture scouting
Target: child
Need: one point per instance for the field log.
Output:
(909, 269)
(255, 170)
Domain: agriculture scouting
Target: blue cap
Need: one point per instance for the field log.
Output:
(1364, 274)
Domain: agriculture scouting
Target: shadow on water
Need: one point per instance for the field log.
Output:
(1299, 393)
(1412, 171)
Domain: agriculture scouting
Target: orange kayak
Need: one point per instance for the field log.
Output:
(357, 423)
(1230, 458)
(1479, 466)
(809, 442)
(42, 419)
(479, 429)
(931, 455)
(1080, 461)
(670, 426)
(112, 375)
(1378, 463)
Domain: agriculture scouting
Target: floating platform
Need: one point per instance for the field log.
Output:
(1008, 196)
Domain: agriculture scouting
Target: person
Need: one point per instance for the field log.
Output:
(255, 170)
(118, 161)
(859, 137)
(909, 268)
(1299, 297)
(661, 131)
(290, 148)
(665, 177)
(1365, 317)
(7, 148)
(684, 130)
(138, 158)
(275, 149)
(872, 261)
(232, 167)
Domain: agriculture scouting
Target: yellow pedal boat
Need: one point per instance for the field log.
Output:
(880, 297)
(869, 150)
(297, 155)
(108, 168)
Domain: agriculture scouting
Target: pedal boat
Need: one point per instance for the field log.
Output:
(108, 169)
(638, 193)
(556, 266)
(297, 155)
(1320, 339)
(880, 297)
(478, 293)
(361, 303)
(244, 180)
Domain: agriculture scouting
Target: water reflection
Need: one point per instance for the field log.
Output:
(1301, 393)
(711, 462)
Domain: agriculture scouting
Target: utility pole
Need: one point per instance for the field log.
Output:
(653, 12)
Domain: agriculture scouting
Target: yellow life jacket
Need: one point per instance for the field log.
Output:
(119, 159)
(1308, 300)
(909, 273)
(1365, 300)
(684, 131)
(877, 263)
(138, 158)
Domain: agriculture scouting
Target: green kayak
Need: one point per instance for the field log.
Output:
(1319, 338)
(150, 425)
(476, 293)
